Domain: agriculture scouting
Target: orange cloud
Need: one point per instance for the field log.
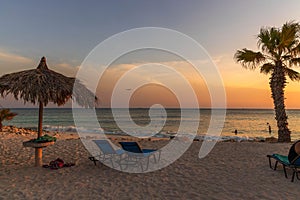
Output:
(248, 98)
(10, 62)
(151, 94)
(13, 58)
(154, 93)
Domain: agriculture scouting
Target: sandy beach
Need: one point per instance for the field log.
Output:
(232, 170)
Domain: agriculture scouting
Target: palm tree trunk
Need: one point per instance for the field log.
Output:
(277, 84)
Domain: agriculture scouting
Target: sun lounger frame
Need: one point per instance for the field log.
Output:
(139, 155)
(107, 152)
(285, 164)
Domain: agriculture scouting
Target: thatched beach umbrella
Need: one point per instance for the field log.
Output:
(41, 86)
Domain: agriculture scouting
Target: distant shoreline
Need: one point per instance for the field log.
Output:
(36, 108)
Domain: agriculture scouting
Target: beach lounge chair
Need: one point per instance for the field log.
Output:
(136, 155)
(285, 164)
(107, 153)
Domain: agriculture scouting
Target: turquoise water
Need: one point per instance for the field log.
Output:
(248, 122)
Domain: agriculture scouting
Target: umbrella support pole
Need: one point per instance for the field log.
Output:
(38, 157)
(40, 125)
(39, 151)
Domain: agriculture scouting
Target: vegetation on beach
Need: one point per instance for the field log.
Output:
(44, 138)
(280, 51)
(6, 115)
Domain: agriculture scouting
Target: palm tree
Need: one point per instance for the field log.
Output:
(5, 114)
(280, 50)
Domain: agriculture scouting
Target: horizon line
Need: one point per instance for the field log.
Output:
(204, 108)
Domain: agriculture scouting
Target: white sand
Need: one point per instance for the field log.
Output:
(231, 171)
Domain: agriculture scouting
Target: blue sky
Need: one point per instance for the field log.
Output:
(66, 31)
(70, 29)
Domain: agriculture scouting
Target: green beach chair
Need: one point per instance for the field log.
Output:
(285, 164)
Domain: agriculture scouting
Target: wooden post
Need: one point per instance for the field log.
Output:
(38, 157)
(40, 125)
(39, 151)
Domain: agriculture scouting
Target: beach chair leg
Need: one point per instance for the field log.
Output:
(93, 159)
(270, 164)
(293, 177)
(119, 161)
(159, 152)
(275, 166)
(128, 160)
(148, 160)
(139, 161)
(125, 163)
(154, 156)
(284, 169)
(112, 162)
(156, 160)
(142, 167)
(295, 173)
(147, 163)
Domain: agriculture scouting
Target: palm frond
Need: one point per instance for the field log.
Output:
(295, 50)
(264, 39)
(268, 40)
(294, 61)
(248, 58)
(292, 74)
(267, 68)
(289, 35)
(286, 57)
(5, 114)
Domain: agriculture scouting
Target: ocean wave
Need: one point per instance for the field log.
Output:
(72, 129)
(83, 130)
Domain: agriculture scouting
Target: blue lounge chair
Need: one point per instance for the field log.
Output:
(107, 153)
(285, 164)
(135, 155)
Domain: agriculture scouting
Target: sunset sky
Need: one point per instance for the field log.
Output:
(66, 31)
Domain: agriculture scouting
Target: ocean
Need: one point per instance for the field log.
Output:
(249, 123)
